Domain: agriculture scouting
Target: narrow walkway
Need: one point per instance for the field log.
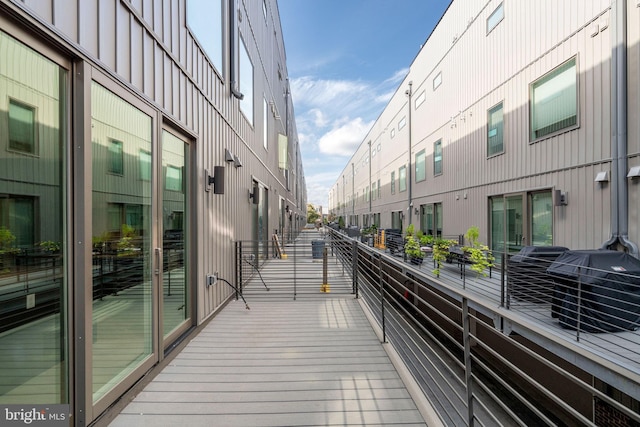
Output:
(283, 363)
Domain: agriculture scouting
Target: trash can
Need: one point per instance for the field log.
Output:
(317, 247)
(527, 278)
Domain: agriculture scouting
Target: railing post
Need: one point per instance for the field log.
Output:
(466, 337)
(354, 265)
(238, 267)
(578, 304)
(382, 315)
(503, 260)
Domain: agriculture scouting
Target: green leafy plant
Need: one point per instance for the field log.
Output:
(125, 244)
(440, 252)
(372, 229)
(410, 230)
(7, 238)
(412, 249)
(426, 240)
(6, 241)
(479, 255)
(50, 246)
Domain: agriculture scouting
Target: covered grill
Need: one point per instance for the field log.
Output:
(596, 290)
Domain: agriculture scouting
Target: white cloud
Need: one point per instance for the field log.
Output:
(397, 77)
(344, 139)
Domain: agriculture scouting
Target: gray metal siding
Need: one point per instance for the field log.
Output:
(479, 70)
(147, 44)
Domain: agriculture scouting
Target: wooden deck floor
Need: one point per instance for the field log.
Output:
(315, 362)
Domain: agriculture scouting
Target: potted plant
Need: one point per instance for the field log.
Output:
(412, 247)
(49, 247)
(426, 240)
(7, 251)
(478, 254)
(413, 251)
(367, 233)
(441, 252)
(126, 245)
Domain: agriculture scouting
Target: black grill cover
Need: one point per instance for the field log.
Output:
(609, 290)
(527, 278)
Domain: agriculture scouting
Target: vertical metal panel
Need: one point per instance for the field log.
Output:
(43, 8)
(87, 24)
(123, 42)
(137, 54)
(65, 17)
(106, 32)
(148, 65)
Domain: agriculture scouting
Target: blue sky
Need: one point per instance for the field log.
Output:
(345, 59)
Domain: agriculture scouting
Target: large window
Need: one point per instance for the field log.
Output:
(204, 18)
(437, 157)
(402, 177)
(121, 232)
(494, 130)
(34, 337)
(246, 82)
(22, 127)
(554, 101)
(116, 160)
(393, 182)
(421, 167)
(265, 125)
(495, 18)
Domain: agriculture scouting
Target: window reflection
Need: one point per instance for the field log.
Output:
(33, 336)
(122, 328)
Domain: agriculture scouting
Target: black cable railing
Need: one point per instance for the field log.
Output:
(455, 333)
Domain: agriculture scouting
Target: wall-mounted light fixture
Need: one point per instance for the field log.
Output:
(236, 162)
(217, 180)
(417, 211)
(561, 198)
(254, 195)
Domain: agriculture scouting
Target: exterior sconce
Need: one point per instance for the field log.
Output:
(217, 180)
(255, 195)
(561, 198)
(417, 211)
(236, 162)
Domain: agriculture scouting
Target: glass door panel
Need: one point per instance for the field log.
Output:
(176, 307)
(542, 219)
(497, 225)
(514, 221)
(438, 219)
(121, 218)
(33, 247)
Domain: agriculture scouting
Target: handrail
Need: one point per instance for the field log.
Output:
(459, 326)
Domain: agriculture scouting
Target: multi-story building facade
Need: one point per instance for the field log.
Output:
(521, 118)
(138, 140)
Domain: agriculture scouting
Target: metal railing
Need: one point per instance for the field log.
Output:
(305, 267)
(456, 335)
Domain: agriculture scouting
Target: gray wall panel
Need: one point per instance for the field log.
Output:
(106, 32)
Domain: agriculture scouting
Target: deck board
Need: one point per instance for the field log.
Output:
(282, 363)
